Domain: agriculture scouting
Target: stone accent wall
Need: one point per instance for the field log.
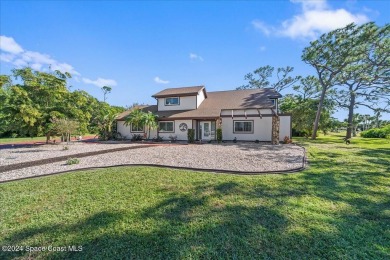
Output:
(275, 129)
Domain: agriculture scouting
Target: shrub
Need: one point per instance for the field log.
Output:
(173, 138)
(136, 137)
(257, 141)
(235, 140)
(191, 135)
(219, 135)
(157, 139)
(287, 140)
(71, 161)
(383, 132)
(65, 148)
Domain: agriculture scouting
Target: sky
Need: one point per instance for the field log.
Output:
(140, 48)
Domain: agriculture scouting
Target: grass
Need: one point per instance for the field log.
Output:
(22, 139)
(29, 139)
(338, 208)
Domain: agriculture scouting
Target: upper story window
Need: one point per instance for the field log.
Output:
(172, 101)
(273, 101)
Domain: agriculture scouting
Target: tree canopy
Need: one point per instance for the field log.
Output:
(344, 55)
(36, 99)
(261, 78)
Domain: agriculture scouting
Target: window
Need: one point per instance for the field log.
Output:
(166, 127)
(172, 101)
(273, 101)
(137, 128)
(243, 127)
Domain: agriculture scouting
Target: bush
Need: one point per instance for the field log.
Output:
(191, 136)
(219, 135)
(71, 161)
(158, 139)
(287, 140)
(173, 138)
(65, 148)
(383, 132)
(136, 137)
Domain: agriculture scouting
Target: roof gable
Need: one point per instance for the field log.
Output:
(180, 92)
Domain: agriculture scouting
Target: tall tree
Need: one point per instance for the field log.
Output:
(332, 53)
(106, 90)
(366, 82)
(261, 77)
(303, 107)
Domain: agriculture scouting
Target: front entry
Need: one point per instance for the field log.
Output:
(205, 130)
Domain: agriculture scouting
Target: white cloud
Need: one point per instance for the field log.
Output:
(13, 53)
(100, 82)
(20, 63)
(7, 57)
(262, 27)
(160, 81)
(8, 44)
(315, 19)
(195, 57)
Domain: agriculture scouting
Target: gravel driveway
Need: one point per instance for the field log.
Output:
(233, 157)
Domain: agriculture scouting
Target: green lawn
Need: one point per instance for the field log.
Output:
(29, 139)
(22, 139)
(338, 208)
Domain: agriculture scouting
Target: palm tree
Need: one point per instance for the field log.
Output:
(136, 117)
(150, 121)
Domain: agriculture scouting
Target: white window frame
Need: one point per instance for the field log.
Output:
(163, 131)
(169, 104)
(137, 131)
(243, 121)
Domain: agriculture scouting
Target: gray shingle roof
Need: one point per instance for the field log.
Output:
(186, 91)
(215, 102)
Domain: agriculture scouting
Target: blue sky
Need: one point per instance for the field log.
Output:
(140, 48)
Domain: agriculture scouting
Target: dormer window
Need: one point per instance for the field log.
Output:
(273, 101)
(172, 101)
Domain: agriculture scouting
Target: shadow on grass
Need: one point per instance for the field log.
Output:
(344, 207)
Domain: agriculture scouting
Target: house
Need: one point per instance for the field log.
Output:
(245, 115)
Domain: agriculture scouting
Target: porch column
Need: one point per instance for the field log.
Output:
(275, 129)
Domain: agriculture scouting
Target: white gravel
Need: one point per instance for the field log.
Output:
(38, 152)
(245, 157)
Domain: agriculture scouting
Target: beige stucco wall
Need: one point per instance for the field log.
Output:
(180, 135)
(125, 131)
(261, 129)
(285, 127)
(186, 103)
(200, 98)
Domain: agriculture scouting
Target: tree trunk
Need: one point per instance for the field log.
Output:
(318, 115)
(351, 127)
(47, 138)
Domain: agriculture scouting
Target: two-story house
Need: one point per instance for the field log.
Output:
(242, 114)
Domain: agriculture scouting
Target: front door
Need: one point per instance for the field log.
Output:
(205, 130)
